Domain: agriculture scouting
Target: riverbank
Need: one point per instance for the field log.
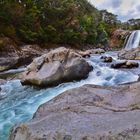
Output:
(16, 54)
(69, 71)
(88, 112)
(19, 103)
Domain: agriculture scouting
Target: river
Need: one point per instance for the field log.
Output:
(18, 103)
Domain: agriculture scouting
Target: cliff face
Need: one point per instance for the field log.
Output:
(85, 113)
(118, 38)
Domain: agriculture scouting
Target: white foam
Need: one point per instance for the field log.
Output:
(22, 102)
(134, 40)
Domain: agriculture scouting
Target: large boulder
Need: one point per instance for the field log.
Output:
(57, 66)
(86, 113)
(131, 54)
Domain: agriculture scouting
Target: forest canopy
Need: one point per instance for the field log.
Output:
(59, 21)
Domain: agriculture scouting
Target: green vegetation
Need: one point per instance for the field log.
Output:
(132, 24)
(56, 21)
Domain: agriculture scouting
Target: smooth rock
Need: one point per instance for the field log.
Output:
(12, 74)
(125, 64)
(131, 54)
(86, 113)
(57, 66)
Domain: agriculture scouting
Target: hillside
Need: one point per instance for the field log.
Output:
(49, 21)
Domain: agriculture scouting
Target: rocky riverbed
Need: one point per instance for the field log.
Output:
(86, 113)
(74, 116)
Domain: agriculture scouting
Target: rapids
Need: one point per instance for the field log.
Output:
(18, 103)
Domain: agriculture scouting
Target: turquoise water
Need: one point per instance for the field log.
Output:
(18, 103)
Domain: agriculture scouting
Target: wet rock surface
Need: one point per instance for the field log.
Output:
(106, 59)
(125, 64)
(57, 66)
(130, 54)
(86, 113)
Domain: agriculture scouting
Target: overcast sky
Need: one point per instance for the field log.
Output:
(125, 9)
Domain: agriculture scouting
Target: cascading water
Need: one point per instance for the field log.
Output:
(134, 40)
(18, 103)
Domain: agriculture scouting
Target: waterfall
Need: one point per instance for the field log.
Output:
(134, 40)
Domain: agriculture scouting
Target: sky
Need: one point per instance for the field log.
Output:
(125, 9)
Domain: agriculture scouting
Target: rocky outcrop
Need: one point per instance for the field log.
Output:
(86, 113)
(28, 53)
(118, 38)
(13, 56)
(12, 74)
(9, 54)
(57, 66)
(125, 64)
(131, 54)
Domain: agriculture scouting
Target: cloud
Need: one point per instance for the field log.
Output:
(116, 3)
(125, 9)
(138, 8)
